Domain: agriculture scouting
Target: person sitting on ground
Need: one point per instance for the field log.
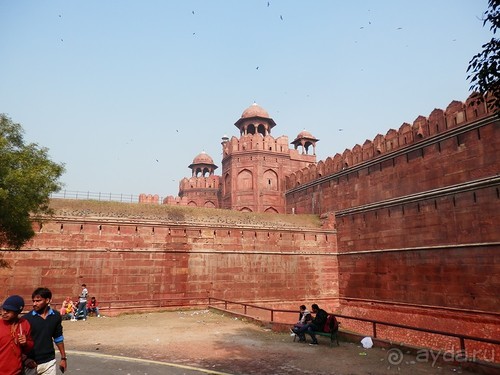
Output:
(304, 318)
(92, 307)
(316, 325)
(68, 309)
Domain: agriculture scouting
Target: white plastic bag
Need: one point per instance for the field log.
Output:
(367, 342)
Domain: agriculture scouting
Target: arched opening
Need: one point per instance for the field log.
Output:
(251, 129)
(271, 210)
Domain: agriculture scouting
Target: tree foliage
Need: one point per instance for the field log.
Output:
(27, 178)
(484, 68)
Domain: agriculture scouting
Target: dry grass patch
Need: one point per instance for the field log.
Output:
(178, 214)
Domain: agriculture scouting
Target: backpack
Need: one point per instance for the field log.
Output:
(331, 324)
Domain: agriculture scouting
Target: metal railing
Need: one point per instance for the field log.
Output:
(98, 196)
(264, 313)
(374, 323)
(90, 195)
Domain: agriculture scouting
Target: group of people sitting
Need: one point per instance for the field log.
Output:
(308, 324)
(72, 311)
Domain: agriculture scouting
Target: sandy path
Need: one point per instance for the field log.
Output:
(219, 342)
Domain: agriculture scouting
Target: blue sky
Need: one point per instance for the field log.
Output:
(127, 93)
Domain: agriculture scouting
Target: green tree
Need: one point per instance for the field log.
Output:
(27, 178)
(484, 68)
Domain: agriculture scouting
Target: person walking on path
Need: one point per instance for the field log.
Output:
(15, 336)
(47, 330)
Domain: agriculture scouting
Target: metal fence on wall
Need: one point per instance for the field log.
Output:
(98, 196)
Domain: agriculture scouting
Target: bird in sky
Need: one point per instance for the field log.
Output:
(268, 3)
(399, 28)
(192, 11)
(257, 68)
(281, 17)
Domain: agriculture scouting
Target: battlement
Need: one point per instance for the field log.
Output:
(457, 114)
(149, 198)
(252, 142)
(209, 182)
(175, 201)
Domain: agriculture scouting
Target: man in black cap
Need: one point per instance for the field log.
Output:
(15, 336)
(47, 330)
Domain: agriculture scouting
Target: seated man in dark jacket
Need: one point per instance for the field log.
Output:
(316, 325)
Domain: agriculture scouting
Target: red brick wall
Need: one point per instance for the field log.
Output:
(462, 218)
(126, 260)
(456, 321)
(416, 224)
(458, 159)
(459, 277)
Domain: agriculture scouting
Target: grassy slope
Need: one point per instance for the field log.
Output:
(93, 209)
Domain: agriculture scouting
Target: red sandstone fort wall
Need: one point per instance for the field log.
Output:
(129, 260)
(406, 139)
(417, 213)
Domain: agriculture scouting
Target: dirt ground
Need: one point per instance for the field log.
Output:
(219, 342)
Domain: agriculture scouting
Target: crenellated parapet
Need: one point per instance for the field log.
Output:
(253, 142)
(149, 198)
(210, 182)
(175, 201)
(456, 114)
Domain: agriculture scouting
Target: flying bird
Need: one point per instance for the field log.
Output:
(192, 11)
(268, 3)
(257, 68)
(399, 28)
(281, 17)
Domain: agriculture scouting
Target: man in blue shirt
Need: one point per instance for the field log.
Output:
(46, 330)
